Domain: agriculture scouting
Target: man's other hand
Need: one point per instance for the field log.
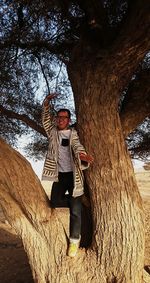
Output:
(49, 97)
(86, 157)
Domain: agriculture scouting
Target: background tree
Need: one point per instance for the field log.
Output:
(103, 45)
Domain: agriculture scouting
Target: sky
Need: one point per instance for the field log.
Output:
(37, 167)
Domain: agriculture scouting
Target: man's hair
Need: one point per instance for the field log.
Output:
(64, 110)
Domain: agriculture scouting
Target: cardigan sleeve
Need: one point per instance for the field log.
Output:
(48, 119)
(78, 148)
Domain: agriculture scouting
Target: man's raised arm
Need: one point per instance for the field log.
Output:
(47, 115)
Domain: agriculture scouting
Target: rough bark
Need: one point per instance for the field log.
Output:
(132, 43)
(136, 105)
(118, 237)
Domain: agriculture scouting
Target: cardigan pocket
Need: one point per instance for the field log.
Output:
(50, 164)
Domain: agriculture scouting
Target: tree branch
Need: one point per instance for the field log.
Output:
(24, 118)
(133, 42)
(136, 105)
(55, 49)
(42, 69)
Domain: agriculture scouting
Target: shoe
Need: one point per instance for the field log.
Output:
(73, 249)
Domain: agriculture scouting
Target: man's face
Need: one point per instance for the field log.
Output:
(62, 120)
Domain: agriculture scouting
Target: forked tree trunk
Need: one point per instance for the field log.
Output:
(117, 250)
(118, 219)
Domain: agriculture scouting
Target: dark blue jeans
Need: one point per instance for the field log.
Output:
(59, 198)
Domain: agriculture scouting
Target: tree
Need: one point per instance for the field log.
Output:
(103, 45)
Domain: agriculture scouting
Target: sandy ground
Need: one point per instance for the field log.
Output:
(14, 267)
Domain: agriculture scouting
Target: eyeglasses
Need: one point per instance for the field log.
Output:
(62, 117)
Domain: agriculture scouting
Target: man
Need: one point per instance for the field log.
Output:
(65, 160)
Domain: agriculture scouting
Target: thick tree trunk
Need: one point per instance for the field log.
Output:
(118, 238)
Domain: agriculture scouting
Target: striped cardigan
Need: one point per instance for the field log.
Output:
(50, 169)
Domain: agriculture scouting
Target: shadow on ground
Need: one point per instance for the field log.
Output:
(14, 266)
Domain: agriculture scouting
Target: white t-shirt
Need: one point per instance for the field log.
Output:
(64, 154)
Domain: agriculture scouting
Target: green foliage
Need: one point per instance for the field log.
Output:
(37, 39)
(37, 147)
